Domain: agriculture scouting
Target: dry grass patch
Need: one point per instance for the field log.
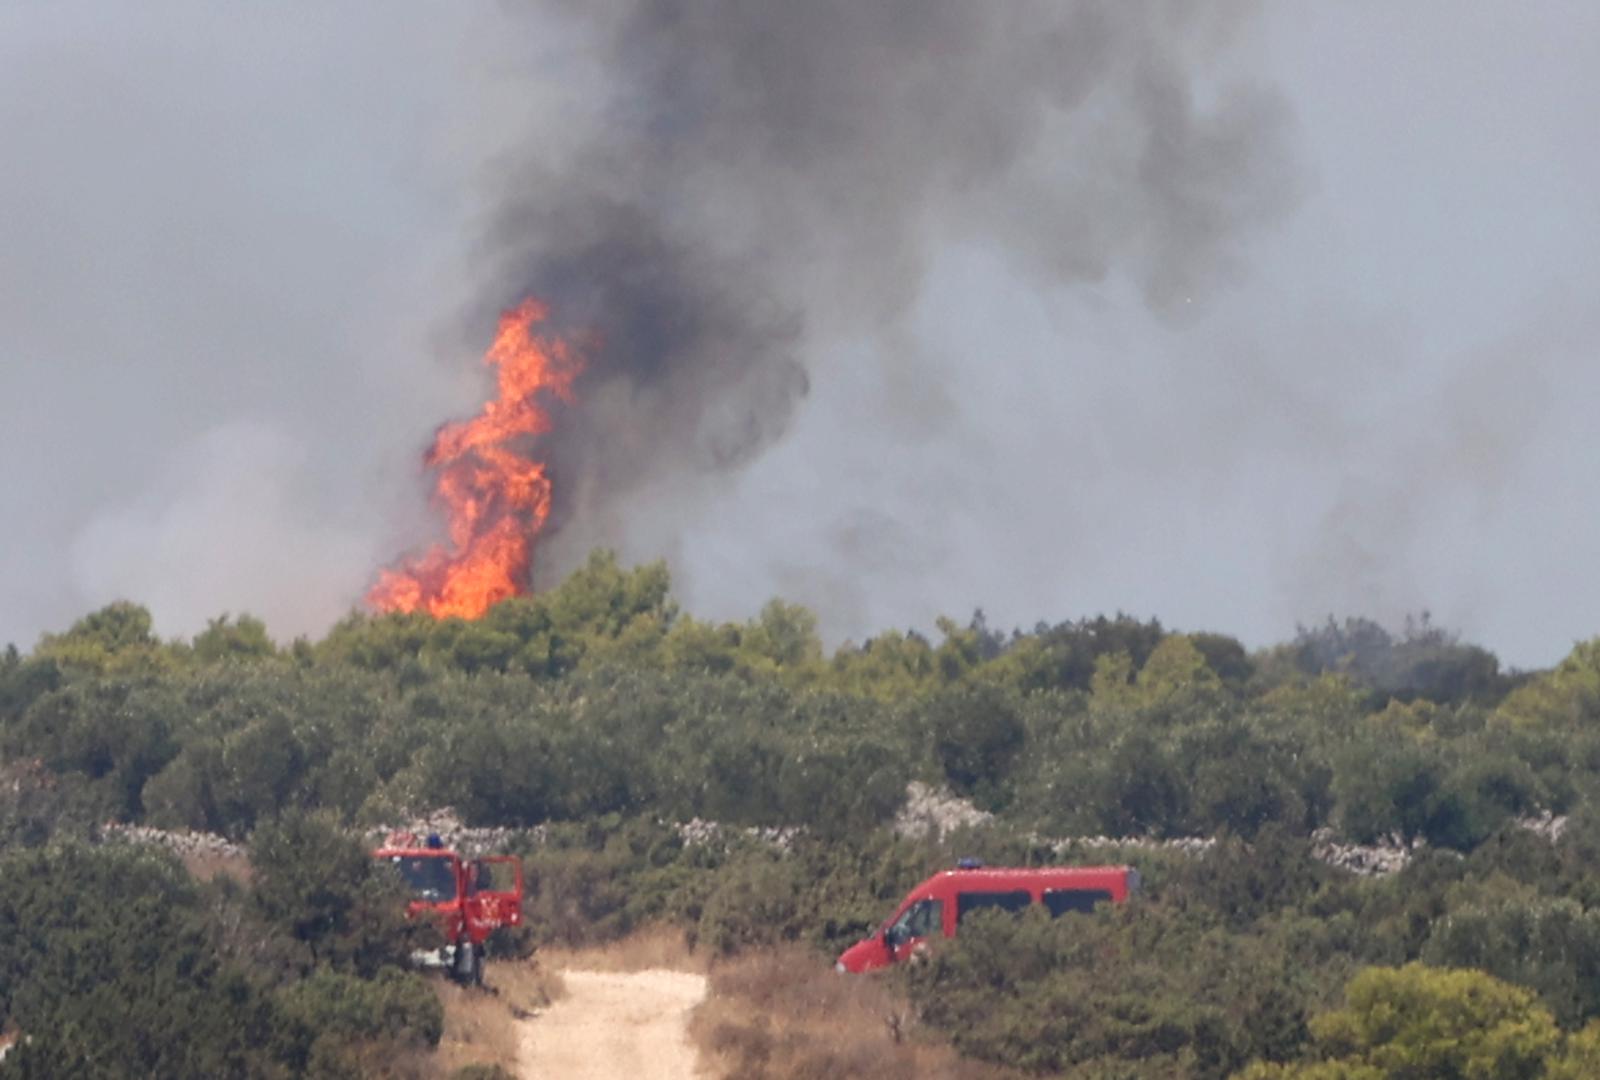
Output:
(784, 1014)
(482, 1027)
(206, 865)
(653, 948)
(527, 986)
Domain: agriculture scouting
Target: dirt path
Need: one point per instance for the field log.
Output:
(615, 1026)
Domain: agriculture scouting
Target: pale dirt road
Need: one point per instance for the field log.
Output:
(615, 1026)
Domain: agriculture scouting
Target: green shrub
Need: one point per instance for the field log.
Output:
(111, 971)
(1549, 946)
(1100, 995)
(756, 901)
(330, 1017)
(323, 889)
(1421, 1022)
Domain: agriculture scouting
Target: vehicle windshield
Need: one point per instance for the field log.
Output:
(922, 919)
(429, 877)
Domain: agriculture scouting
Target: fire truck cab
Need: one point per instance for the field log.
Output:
(935, 909)
(468, 899)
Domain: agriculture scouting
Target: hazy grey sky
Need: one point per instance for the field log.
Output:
(1326, 344)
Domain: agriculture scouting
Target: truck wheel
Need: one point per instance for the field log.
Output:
(468, 968)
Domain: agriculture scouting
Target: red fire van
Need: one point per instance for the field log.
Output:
(936, 908)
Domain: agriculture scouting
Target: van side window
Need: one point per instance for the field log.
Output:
(968, 902)
(1060, 901)
(925, 918)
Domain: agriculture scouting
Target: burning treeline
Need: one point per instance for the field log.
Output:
(495, 494)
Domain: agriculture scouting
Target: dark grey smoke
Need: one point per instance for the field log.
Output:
(768, 177)
(233, 245)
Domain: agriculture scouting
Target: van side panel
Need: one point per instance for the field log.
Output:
(1060, 888)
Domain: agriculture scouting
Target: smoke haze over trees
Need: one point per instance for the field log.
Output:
(1209, 310)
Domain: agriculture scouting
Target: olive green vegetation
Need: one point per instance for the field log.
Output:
(114, 962)
(603, 714)
(1425, 1023)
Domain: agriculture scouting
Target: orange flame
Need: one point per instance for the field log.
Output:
(496, 498)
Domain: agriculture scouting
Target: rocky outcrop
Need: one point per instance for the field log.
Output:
(931, 811)
(182, 842)
(928, 812)
(698, 832)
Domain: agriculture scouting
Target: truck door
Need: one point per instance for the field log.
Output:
(919, 922)
(494, 894)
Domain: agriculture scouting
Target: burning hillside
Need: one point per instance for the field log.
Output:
(494, 492)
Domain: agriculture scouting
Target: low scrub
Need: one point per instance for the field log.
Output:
(659, 947)
(782, 1014)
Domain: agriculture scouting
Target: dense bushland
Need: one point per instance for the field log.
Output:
(604, 715)
(114, 962)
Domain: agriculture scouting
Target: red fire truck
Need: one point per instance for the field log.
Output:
(468, 899)
(936, 908)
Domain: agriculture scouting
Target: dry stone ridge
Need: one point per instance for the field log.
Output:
(928, 811)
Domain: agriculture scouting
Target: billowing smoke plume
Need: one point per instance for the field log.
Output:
(767, 177)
